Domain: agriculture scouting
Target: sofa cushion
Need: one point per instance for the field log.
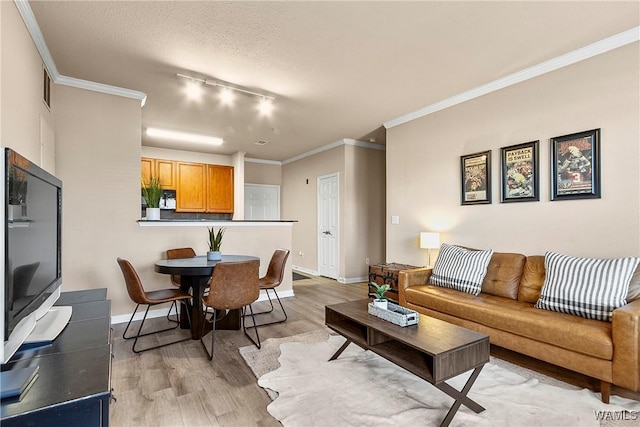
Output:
(634, 286)
(460, 269)
(532, 279)
(590, 337)
(503, 275)
(585, 287)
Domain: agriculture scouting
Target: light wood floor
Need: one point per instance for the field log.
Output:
(178, 386)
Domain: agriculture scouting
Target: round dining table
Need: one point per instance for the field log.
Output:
(194, 275)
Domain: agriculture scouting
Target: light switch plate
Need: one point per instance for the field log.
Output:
(395, 219)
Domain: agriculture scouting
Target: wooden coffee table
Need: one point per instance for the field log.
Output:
(433, 350)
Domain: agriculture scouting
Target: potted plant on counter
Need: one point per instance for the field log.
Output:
(215, 241)
(381, 300)
(152, 193)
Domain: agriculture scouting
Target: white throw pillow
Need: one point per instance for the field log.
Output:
(585, 287)
(460, 268)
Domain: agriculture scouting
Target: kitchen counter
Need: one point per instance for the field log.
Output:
(201, 222)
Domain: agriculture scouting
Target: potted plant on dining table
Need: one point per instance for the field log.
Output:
(215, 242)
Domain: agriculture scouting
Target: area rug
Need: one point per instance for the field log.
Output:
(362, 389)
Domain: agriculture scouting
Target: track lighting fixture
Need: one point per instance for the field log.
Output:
(227, 93)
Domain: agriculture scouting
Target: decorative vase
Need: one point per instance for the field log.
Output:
(214, 256)
(380, 303)
(153, 214)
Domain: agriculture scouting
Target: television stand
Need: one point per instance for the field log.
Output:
(49, 326)
(72, 386)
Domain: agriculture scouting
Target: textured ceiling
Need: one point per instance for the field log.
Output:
(337, 69)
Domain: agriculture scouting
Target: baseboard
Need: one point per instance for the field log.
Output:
(345, 280)
(304, 270)
(162, 312)
(352, 280)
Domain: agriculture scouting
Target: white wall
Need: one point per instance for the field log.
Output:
(361, 204)
(423, 166)
(21, 91)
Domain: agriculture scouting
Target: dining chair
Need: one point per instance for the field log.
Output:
(149, 298)
(273, 279)
(234, 285)
(176, 254)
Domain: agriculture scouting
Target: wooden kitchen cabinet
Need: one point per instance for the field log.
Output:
(164, 169)
(219, 189)
(146, 169)
(191, 187)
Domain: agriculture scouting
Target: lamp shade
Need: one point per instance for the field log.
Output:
(429, 240)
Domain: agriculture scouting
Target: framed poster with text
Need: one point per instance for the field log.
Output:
(476, 178)
(519, 179)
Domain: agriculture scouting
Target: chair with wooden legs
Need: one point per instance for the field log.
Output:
(273, 279)
(149, 298)
(234, 285)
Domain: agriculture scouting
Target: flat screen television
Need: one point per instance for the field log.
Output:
(32, 250)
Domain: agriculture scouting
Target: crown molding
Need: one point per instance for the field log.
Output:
(594, 49)
(38, 39)
(265, 162)
(338, 143)
(99, 87)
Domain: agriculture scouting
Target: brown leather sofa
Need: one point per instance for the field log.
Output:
(504, 310)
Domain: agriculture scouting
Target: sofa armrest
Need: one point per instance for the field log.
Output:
(415, 276)
(625, 331)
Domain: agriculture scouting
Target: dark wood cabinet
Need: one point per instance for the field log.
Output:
(73, 385)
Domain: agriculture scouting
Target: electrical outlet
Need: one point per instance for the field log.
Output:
(366, 261)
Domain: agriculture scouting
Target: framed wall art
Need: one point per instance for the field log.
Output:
(476, 178)
(575, 166)
(519, 179)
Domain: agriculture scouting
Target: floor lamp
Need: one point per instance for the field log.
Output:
(429, 241)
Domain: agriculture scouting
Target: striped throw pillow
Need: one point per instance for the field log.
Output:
(585, 287)
(460, 269)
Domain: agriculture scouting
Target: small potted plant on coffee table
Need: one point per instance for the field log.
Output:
(380, 301)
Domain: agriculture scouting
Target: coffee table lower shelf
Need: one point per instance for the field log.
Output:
(432, 350)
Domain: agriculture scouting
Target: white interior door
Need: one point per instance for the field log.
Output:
(261, 202)
(328, 225)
